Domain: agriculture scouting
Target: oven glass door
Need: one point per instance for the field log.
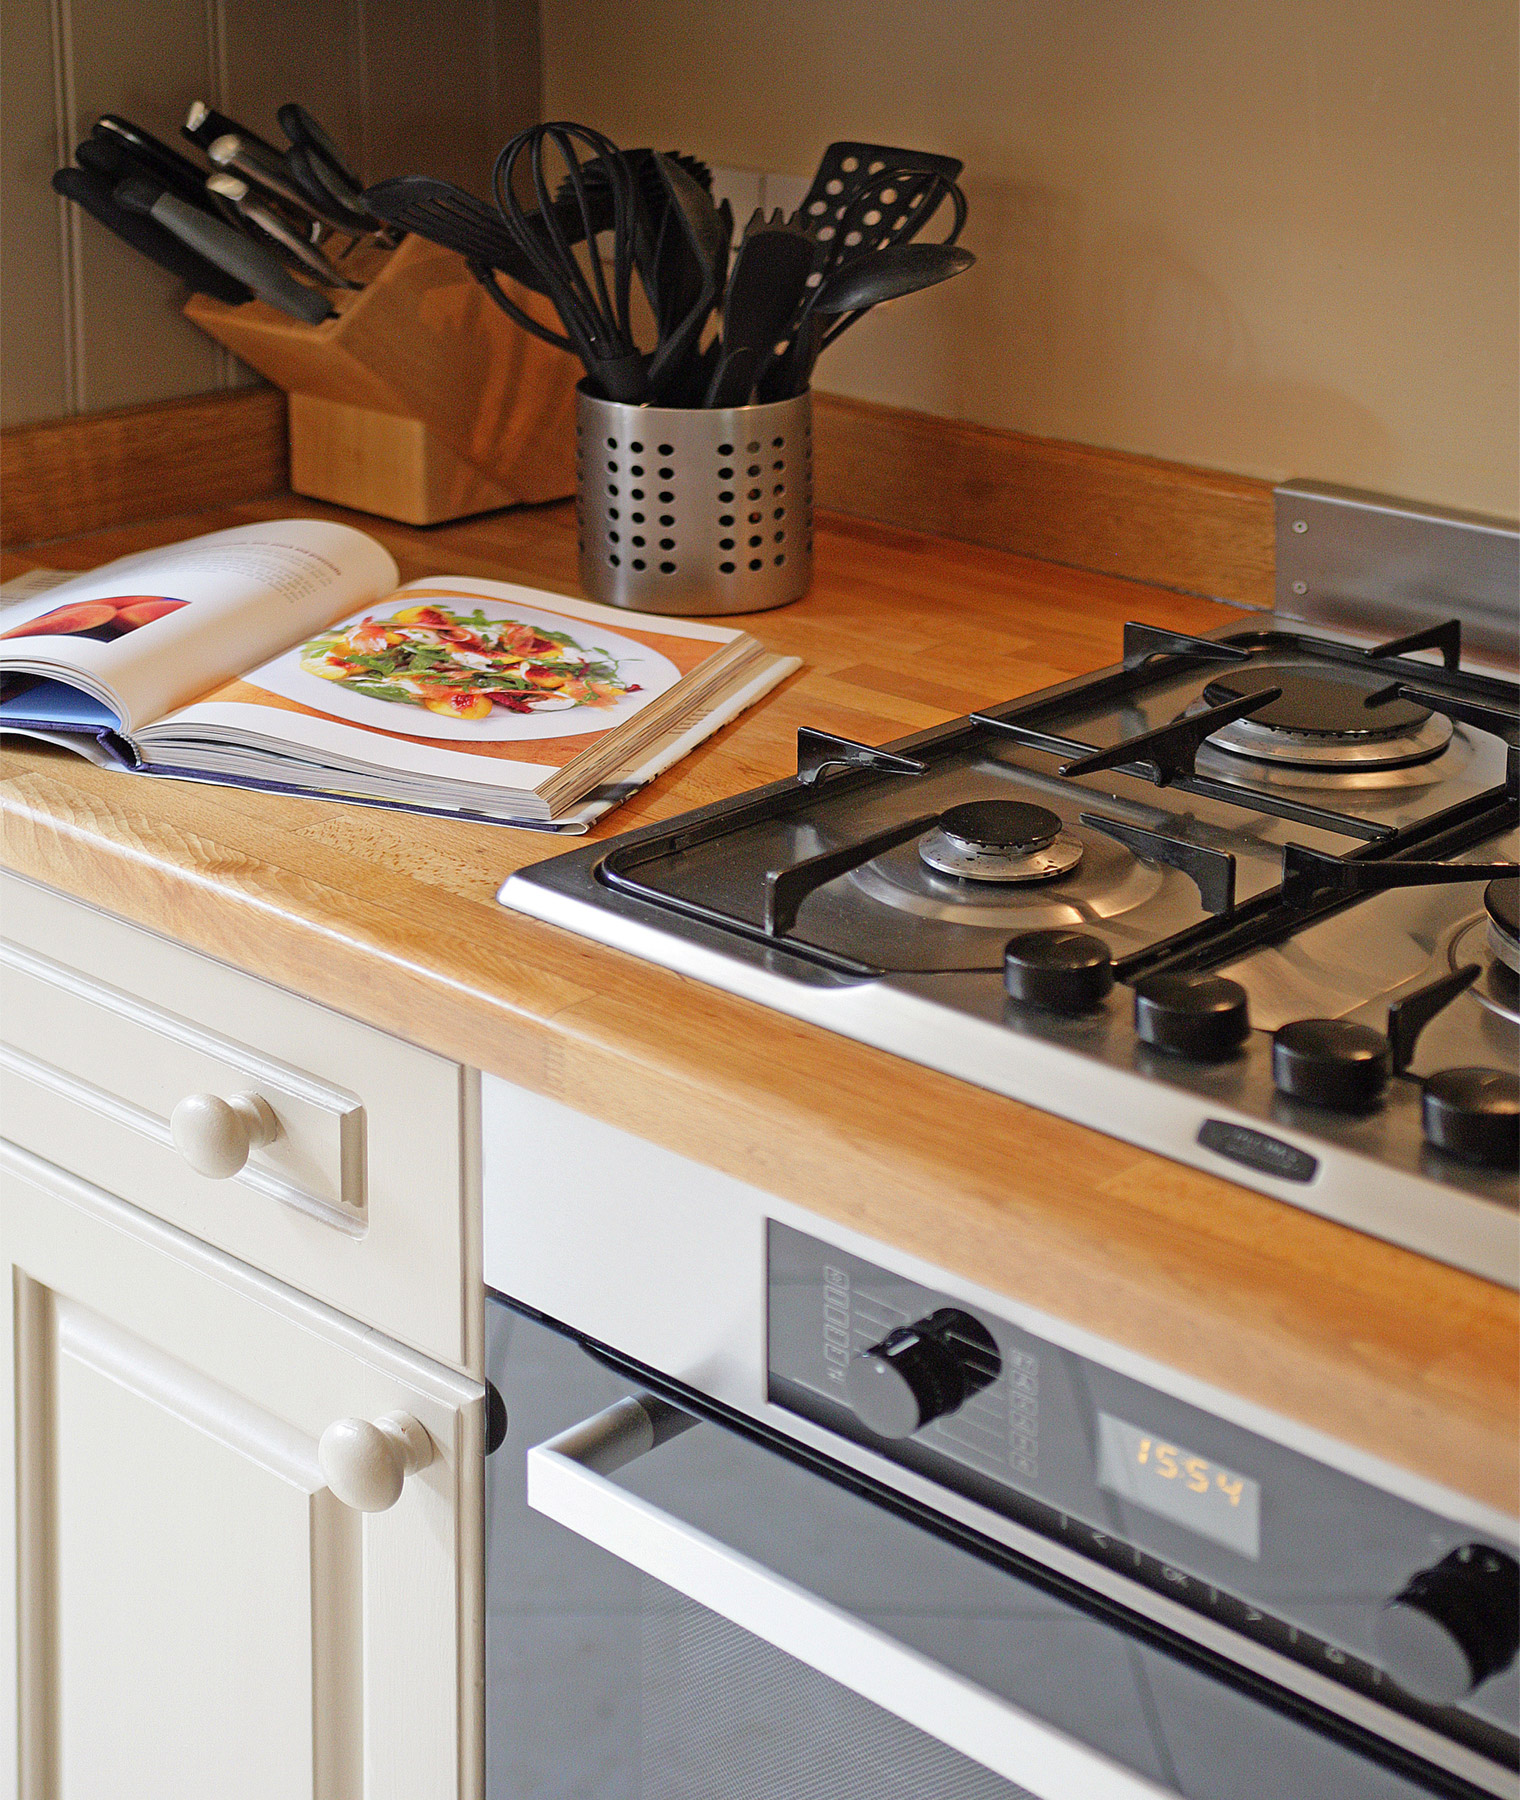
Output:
(681, 1613)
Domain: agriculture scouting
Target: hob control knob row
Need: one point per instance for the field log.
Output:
(1453, 1625)
(1203, 1017)
(1471, 1114)
(921, 1371)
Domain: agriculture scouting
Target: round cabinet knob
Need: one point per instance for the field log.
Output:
(1453, 1625)
(1331, 1062)
(366, 1464)
(215, 1135)
(1203, 1017)
(920, 1371)
(1062, 971)
(1474, 1115)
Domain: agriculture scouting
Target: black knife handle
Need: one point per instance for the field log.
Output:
(93, 191)
(229, 249)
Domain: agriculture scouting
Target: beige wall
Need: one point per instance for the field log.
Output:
(86, 323)
(1272, 236)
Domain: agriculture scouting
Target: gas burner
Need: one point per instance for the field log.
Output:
(1111, 881)
(1490, 939)
(1326, 718)
(1000, 841)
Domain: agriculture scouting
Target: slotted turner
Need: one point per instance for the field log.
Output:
(449, 215)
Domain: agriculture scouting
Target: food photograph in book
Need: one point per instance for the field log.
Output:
(99, 619)
(463, 665)
(444, 665)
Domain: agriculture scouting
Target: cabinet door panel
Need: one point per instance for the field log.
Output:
(170, 1511)
(198, 1613)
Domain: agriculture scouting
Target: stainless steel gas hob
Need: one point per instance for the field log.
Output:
(1248, 900)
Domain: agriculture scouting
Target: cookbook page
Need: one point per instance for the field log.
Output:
(149, 632)
(459, 679)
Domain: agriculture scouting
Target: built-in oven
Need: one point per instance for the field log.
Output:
(803, 1521)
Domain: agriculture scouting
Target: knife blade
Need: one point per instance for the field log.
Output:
(264, 220)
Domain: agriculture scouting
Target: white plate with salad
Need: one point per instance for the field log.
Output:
(459, 666)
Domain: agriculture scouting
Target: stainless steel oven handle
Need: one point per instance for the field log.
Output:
(568, 1481)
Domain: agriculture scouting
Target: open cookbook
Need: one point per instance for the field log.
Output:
(284, 656)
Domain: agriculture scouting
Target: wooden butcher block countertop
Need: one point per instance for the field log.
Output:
(392, 918)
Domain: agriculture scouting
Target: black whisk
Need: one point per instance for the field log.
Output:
(596, 318)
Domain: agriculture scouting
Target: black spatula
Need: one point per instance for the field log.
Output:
(449, 215)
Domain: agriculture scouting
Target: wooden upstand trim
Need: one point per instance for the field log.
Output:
(1197, 530)
(65, 476)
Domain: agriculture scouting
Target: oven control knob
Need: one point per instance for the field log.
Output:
(1203, 1017)
(920, 1371)
(1474, 1115)
(1331, 1062)
(1061, 971)
(1453, 1625)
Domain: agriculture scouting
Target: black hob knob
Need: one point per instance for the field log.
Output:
(1474, 1115)
(1454, 1625)
(1062, 971)
(1203, 1017)
(1331, 1062)
(921, 1371)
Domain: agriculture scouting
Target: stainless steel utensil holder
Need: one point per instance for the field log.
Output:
(692, 510)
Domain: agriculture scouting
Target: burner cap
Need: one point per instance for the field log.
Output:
(1006, 841)
(1318, 702)
(999, 825)
(1501, 899)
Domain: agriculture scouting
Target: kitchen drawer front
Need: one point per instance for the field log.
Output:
(366, 1196)
(132, 1063)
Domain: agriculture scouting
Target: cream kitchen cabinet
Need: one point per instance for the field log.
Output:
(199, 1613)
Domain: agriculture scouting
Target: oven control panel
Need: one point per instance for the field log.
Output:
(1419, 1611)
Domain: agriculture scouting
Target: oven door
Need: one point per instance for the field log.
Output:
(677, 1609)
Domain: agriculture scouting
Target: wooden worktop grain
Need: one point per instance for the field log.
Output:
(392, 918)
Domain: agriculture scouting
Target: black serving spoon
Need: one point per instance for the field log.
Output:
(886, 275)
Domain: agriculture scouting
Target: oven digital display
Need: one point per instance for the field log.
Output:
(1180, 1485)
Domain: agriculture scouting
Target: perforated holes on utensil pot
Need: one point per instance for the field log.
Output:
(695, 510)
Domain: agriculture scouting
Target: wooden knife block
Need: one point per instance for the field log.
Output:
(421, 401)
